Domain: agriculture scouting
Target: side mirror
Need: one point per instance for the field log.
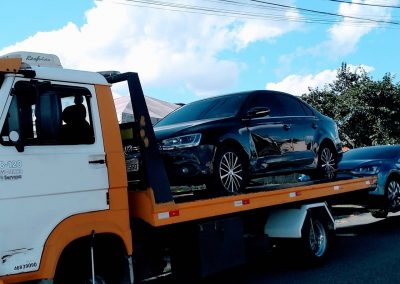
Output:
(16, 140)
(256, 112)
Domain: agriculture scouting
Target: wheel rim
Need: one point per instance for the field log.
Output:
(231, 172)
(393, 191)
(318, 239)
(328, 162)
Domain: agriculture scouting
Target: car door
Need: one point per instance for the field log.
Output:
(303, 128)
(271, 134)
(43, 178)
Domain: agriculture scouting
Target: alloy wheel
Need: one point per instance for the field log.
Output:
(393, 191)
(231, 172)
(328, 163)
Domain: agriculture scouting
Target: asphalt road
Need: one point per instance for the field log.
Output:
(366, 250)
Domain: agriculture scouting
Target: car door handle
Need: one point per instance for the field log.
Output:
(286, 126)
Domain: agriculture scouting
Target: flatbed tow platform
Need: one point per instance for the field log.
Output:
(174, 212)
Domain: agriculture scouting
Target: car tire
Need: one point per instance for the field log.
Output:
(230, 171)
(392, 192)
(327, 163)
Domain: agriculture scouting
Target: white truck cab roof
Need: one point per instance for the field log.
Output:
(48, 66)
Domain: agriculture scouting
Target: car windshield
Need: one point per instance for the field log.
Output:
(217, 107)
(372, 153)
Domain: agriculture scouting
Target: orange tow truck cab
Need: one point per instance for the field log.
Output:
(69, 216)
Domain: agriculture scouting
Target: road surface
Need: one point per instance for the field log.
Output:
(366, 250)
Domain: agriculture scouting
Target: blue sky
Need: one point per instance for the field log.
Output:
(182, 56)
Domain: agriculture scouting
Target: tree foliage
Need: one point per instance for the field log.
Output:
(366, 111)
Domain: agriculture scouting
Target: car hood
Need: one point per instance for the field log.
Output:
(351, 164)
(173, 130)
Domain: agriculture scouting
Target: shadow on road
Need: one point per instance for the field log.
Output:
(363, 253)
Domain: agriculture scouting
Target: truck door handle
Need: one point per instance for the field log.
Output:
(102, 161)
(286, 126)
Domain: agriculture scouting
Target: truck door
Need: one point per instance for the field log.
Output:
(51, 166)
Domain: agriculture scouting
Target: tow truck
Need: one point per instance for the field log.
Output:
(69, 214)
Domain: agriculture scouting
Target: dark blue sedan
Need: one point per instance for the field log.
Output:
(382, 161)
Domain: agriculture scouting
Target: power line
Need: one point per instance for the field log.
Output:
(325, 17)
(327, 13)
(366, 4)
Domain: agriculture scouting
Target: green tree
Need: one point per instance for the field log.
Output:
(366, 111)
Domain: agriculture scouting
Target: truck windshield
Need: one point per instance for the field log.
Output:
(216, 107)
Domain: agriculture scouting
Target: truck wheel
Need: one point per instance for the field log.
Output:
(230, 172)
(75, 266)
(315, 240)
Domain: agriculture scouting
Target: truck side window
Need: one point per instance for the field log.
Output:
(46, 114)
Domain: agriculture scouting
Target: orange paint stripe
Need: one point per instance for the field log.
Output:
(10, 64)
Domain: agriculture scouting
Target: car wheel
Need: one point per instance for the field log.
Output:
(230, 172)
(327, 163)
(393, 193)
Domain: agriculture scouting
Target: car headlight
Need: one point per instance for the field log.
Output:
(366, 170)
(185, 141)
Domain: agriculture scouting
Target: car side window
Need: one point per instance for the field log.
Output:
(308, 111)
(46, 114)
(267, 100)
(292, 106)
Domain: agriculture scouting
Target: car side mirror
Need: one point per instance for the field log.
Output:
(16, 140)
(256, 112)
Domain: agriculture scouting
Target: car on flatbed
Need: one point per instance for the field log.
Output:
(226, 140)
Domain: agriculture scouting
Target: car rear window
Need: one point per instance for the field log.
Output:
(217, 107)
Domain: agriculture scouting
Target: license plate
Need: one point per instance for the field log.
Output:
(132, 165)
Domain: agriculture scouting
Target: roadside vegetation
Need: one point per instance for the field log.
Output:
(367, 111)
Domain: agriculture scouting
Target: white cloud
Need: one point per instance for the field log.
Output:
(253, 31)
(166, 48)
(344, 36)
(300, 84)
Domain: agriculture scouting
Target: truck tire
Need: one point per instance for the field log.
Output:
(75, 266)
(315, 241)
(310, 250)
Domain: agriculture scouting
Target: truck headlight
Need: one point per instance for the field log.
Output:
(185, 141)
(366, 170)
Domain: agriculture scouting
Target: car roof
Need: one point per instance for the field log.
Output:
(245, 93)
